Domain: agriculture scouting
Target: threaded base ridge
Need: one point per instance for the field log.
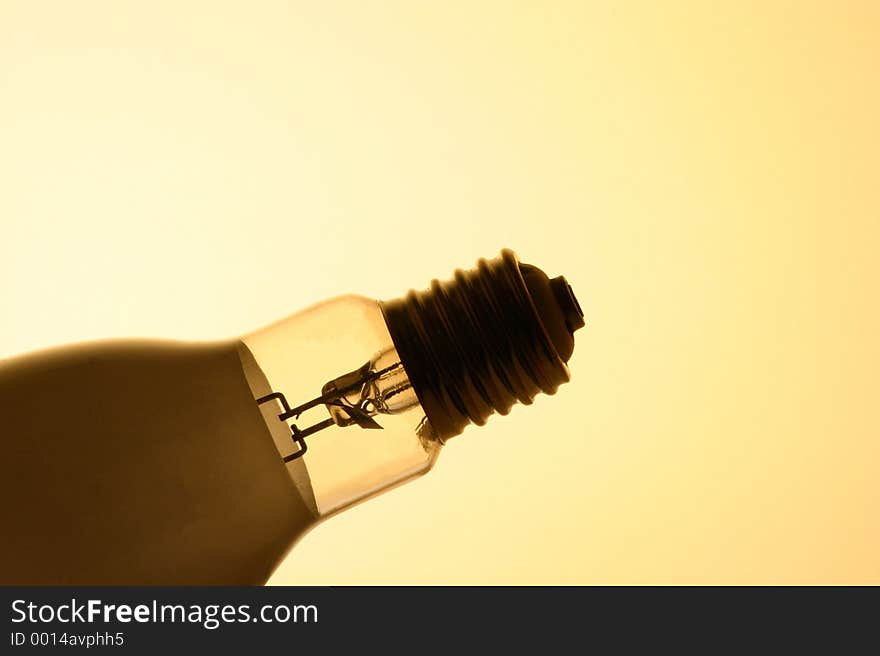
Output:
(474, 345)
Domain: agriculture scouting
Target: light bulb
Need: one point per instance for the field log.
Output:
(150, 462)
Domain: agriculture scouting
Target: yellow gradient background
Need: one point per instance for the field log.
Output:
(706, 175)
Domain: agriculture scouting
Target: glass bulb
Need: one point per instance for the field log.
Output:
(156, 462)
(344, 431)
